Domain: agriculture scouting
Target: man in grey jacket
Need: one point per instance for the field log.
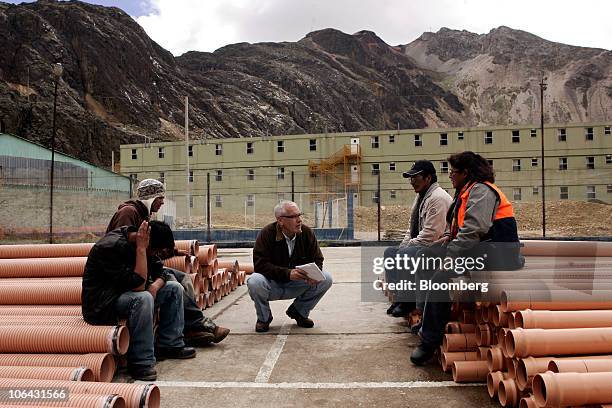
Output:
(427, 224)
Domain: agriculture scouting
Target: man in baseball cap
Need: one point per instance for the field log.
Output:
(422, 167)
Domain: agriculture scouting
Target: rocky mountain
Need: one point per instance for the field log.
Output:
(118, 85)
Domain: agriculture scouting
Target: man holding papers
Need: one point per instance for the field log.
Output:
(288, 265)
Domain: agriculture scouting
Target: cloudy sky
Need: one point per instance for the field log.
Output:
(205, 25)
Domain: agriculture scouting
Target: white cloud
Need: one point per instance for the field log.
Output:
(205, 25)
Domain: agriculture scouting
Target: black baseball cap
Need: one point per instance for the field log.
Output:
(423, 167)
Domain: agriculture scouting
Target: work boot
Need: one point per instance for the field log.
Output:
(220, 333)
(393, 306)
(180, 353)
(262, 327)
(422, 354)
(401, 310)
(300, 320)
(198, 338)
(143, 373)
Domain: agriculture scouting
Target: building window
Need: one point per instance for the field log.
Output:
(590, 162)
(562, 134)
(609, 188)
(160, 153)
(393, 194)
(443, 167)
(460, 136)
(375, 143)
(417, 141)
(562, 163)
(313, 145)
(443, 139)
(516, 164)
(563, 193)
(191, 176)
(190, 201)
(516, 194)
(162, 177)
(375, 196)
(280, 146)
(249, 148)
(391, 138)
(534, 162)
(190, 150)
(488, 138)
(533, 132)
(608, 158)
(516, 136)
(250, 201)
(536, 190)
(607, 130)
(250, 174)
(219, 175)
(375, 169)
(280, 173)
(590, 192)
(218, 149)
(218, 201)
(589, 134)
(392, 166)
(134, 154)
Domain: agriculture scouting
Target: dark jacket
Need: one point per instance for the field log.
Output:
(271, 254)
(109, 272)
(132, 212)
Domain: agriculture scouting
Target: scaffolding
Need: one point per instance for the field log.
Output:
(339, 174)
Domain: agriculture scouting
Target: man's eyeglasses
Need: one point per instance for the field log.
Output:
(292, 216)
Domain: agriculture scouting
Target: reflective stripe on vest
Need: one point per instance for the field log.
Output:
(504, 210)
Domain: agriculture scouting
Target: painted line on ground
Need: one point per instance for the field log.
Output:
(277, 348)
(309, 385)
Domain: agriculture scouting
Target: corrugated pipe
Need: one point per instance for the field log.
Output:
(568, 389)
(566, 248)
(512, 301)
(210, 299)
(50, 310)
(62, 339)
(79, 401)
(47, 373)
(102, 364)
(247, 268)
(58, 291)
(191, 246)
(31, 320)
(229, 264)
(557, 342)
(194, 264)
(135, 395)
(566, 319)
(44, 250)
(207, 254)
(42, 267)
(180, 263)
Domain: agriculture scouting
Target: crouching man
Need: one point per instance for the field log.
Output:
(281, 247)
(121, 281)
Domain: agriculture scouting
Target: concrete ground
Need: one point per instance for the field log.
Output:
(356, 355)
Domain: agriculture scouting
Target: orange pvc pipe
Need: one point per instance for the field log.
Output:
(229, 264)
(508, 393)
(494, 378)
(512, 365)
(580, 366)
(58, 291)
(556, 300)
(459, 342)
(32, 320)
(482, 352)
(566, 389)
(470, 371)
(467, 316)
(528, 402)
(247, 268)
(456, 327)
(180, 263)
(102, 364)
(566, 248)
(495, 359)
(135, 395)
(485, 335)
(42, 267)
(24, 310)
(47, 373)
(448, 358)
(44, 250)
(565, 319)
(540, 342)
(79, 401)
(62, 339)
(191, 246)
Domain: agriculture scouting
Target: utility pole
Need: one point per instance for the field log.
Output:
(57, 73)
(542, 89)
(187, 159)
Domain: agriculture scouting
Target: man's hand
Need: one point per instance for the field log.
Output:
(298, 274)
(143, 235)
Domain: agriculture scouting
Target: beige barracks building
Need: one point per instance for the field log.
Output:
(252, 174)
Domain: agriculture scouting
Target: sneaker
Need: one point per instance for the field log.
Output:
(143, 373)
(300, 320)
(392, 307)
(262, 327)
(180, 353)
(220, 333)
(422, 354)
(198, 338)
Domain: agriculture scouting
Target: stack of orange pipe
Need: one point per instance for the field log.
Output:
(545, 341)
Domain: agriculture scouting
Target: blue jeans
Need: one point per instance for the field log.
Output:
(262, 290)
(139, 307)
